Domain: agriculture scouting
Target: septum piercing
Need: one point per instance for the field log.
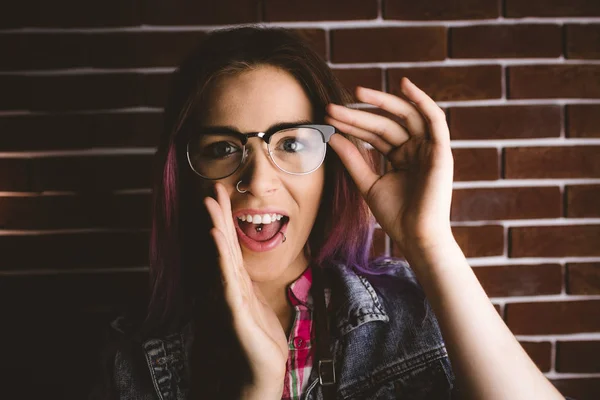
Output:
(237, 187)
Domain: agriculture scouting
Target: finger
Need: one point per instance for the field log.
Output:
(369, 137)
(215, 213)
(359, 169)
(434, 115)
(235, 276)
(383, 127)
(225, 203)
(228, 271)
(397, 106)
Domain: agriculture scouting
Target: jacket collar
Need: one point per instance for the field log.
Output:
(355, 301)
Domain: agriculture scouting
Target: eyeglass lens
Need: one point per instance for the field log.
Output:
(295, 150)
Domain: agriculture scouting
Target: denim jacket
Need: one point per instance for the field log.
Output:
(385, 341)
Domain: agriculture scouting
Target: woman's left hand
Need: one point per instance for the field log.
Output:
(411, 201)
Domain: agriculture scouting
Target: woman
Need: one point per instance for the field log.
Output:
(262, 287)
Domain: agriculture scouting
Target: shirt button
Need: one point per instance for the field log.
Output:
(298, 343)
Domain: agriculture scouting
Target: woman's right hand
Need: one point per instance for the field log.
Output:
(257, 327)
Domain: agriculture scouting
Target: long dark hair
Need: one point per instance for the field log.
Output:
(185, 281)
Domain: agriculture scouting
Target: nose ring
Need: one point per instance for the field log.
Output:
(237, 187)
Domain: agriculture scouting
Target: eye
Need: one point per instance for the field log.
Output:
(220, 150)
(291, 145)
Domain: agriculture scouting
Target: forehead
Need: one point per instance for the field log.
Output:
(255, 99)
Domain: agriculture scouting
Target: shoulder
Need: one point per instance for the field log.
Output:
(410, 353)
(126, 369)
(394, 282)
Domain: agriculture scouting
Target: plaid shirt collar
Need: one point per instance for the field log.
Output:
(299, 290)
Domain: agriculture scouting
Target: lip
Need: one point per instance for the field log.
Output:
(252, 244)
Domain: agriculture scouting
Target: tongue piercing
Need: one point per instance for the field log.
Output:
(258, 228)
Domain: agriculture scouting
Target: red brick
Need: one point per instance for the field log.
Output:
(553, 317)
(475, 241)
(379, 239)
(552, 8)
(440, 9)
(82, 250)
(583, 201)
(520, 280)
(74, 13)
(506, 203)
(577, 356)
(68, 212)
(504, 122)
(93, 91)
(506, 41)
(388, 44)
(15, 93)
(350, 78)
(583, 278)
(582, 41)
(319, 10)
(553, 81)
(578, 388)
(583, 120)
(92, 173)
(16, 16)
(476, 164)
(79, 131)
(480, 241)
(540, 353)
(552, 162)
(25, 51)
(141, 49)
(14, 174)
(98, 91)
(452, 83)
(554, 241)
(183, 12)
(156, 89)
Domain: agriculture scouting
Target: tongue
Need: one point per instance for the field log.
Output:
(264, 233)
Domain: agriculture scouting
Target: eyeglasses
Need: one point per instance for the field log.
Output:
(217, 153)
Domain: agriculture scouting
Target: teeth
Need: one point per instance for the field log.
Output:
(260, 218)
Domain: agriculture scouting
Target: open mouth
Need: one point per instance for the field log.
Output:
(262, 227)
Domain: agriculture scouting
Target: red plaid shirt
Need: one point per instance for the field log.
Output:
(301, 341)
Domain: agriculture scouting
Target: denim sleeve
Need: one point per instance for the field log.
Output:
(123, 373)
(131, 376)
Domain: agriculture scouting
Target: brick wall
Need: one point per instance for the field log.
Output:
(81, 90)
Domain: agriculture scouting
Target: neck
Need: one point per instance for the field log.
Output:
(275, 291)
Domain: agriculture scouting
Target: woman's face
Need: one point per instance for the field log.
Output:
(254, 101)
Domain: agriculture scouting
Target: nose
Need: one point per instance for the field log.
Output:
(259, 173)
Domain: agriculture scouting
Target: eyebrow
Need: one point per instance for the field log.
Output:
(273, 128)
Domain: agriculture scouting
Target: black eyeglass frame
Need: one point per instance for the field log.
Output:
(326, 132)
